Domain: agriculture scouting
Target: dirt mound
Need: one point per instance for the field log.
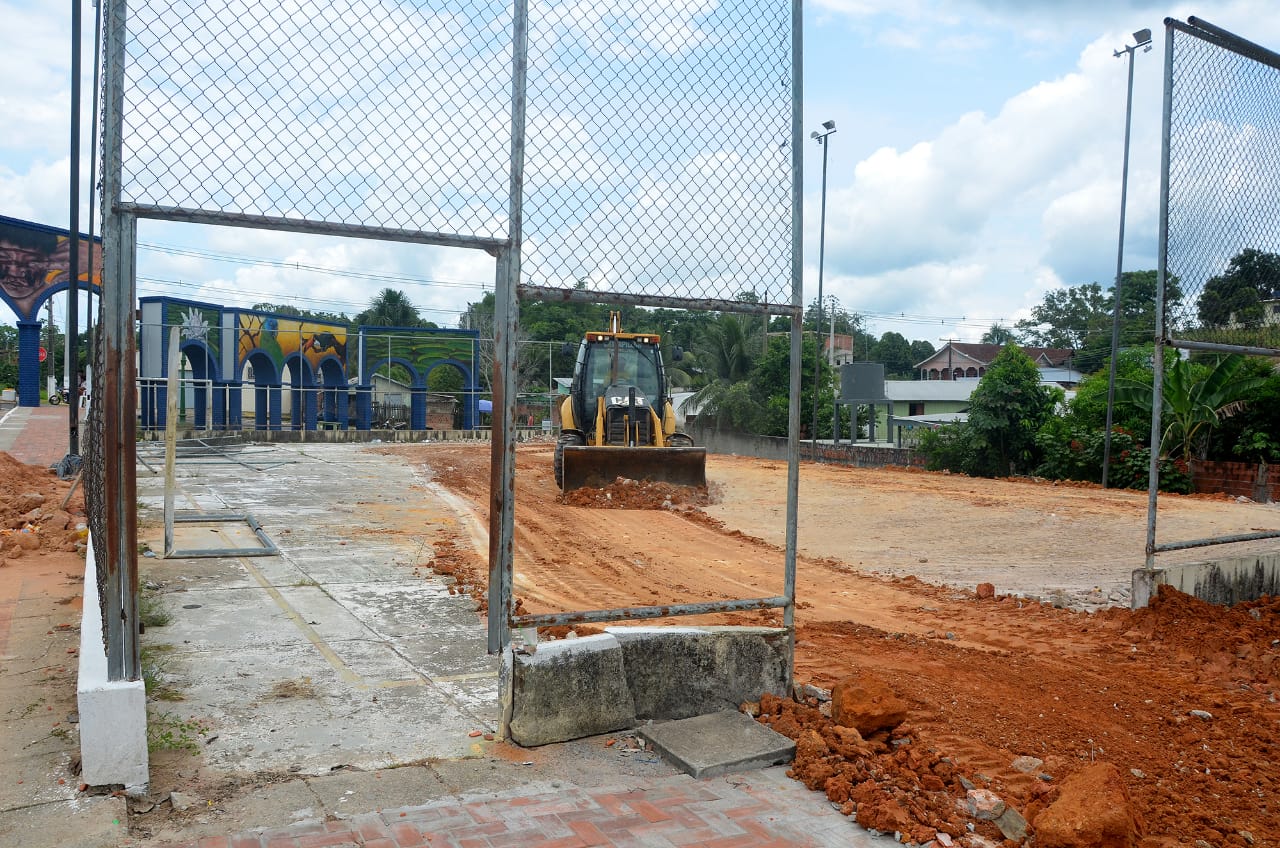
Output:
(1224, 643)
(31, 514)
(624, 493)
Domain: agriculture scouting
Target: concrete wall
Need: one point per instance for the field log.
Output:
(1223, 581)
(597, 684)
(113, 715)
(775, 447)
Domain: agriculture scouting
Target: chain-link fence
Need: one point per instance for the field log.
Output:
(658, 152)
(1219, 274)
(621, 153)
(362, 113)
(1223, 245)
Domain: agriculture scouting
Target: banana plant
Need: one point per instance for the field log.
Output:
(1195, 399)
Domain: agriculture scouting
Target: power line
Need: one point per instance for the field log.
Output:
(404, 279)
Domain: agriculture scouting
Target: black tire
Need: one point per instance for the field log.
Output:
(681, 440)
(573, 440)
(55, 399)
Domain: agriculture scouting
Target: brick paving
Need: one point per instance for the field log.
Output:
(36, 435)
(759, 809)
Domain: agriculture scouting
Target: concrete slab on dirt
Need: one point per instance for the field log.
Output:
(718, 743)
(81, 823)
(343, 651)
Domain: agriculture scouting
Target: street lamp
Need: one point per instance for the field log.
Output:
(1143, 39)
(821, 137)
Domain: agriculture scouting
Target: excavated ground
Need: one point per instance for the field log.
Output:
(1043, 669)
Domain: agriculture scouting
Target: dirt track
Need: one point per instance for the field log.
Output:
(986, 681)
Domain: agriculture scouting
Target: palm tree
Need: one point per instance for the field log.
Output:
(725, 356)
(391, 308)
(1195, 399)
(999, 334)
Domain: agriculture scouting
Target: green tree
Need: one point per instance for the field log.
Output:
(1252, 434)
(1195, 399)
(309, 314)
(1088, 409)
(894, 351)
(999, 334)
(726, 355)
(390, 308)
(1008, 408)
(1252, 277)
(8, 356)
(920, 351)
(1066, 318)
(770, 383)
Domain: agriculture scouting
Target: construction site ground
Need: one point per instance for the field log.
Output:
(1179, 697)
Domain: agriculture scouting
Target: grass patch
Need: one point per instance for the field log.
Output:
(151, 611)
(155, 673)
(168, 732)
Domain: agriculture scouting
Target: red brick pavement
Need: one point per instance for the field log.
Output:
(762, 809)
(40, 439)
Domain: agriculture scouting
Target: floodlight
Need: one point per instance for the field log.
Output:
(1142, 36)
(830, 125)
(813, 134)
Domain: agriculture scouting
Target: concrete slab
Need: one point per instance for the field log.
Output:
(680, 672)
(570, 689)
(346, 793)
(97, 822)
(718, 743)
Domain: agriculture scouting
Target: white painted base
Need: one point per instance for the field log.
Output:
(113, 714)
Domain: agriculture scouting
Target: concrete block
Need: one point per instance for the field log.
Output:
(113, 714)
(678, 672)
(1225, 581)
(570, 689)
(718, 743)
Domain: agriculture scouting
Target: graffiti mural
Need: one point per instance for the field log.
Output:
(35, 262)
(280, 338)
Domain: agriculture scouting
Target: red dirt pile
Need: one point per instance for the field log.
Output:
(31, 513)
(624, 493)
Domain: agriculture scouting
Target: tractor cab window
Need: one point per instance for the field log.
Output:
(637, 366)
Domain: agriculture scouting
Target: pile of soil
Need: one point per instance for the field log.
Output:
(1180, 699)
(32, 518)
(624, 493)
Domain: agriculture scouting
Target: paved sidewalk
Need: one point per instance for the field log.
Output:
(749, 810)
(36, 435)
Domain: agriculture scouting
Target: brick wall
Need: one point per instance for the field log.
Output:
(1256, 481)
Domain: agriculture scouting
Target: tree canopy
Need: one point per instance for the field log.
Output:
(1237, 295)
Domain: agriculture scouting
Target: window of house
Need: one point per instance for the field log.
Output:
(916, 408)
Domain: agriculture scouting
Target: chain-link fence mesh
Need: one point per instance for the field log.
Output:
(659, 149)
(1223, 255)
(92, 471)
(358, 112)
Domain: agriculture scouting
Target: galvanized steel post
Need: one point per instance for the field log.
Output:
(1162, 281)
(797, 325)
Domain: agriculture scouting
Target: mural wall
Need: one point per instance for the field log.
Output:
(35, 264)
(301, 374)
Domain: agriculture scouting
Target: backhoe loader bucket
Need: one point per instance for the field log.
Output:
(599, 466)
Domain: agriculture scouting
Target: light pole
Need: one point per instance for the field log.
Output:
(1143, 37)
(831, 361)
(821, 137)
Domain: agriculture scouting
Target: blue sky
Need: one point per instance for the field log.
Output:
(975, 166)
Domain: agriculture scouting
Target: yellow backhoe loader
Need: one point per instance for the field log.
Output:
(618, 421)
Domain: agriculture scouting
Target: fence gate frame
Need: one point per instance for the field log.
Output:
(778, 201)
(1165, 335)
